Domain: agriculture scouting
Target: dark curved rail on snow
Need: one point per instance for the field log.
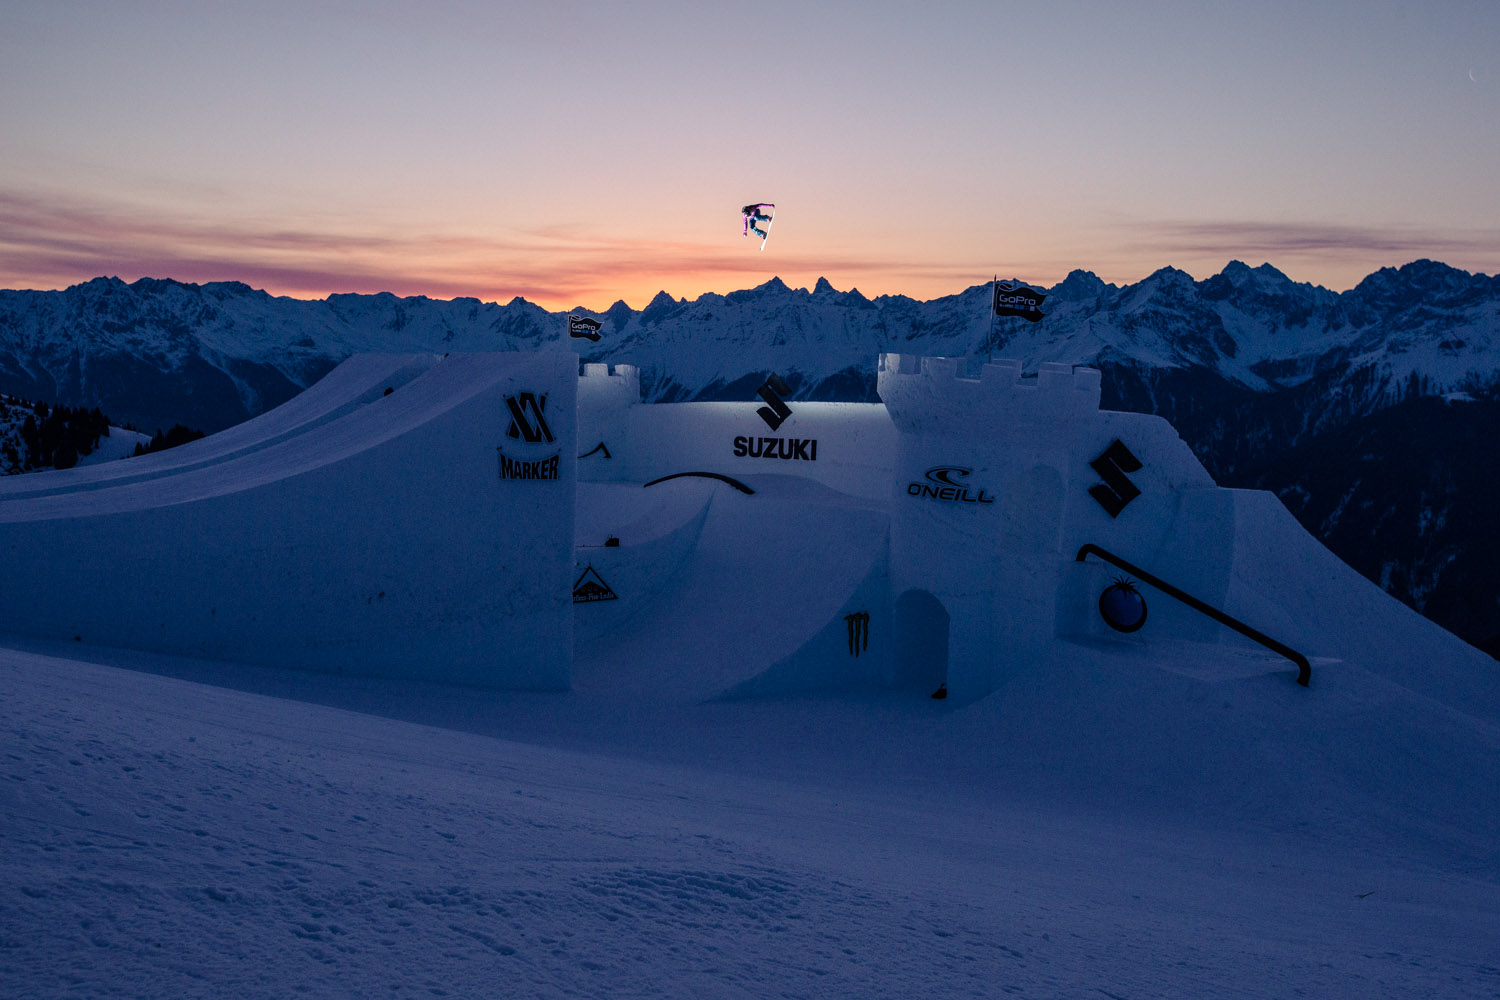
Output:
(1304, 669)
(705, 475)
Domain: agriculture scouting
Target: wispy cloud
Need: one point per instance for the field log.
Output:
(50, 241)
(1333, 245)
(56, 241)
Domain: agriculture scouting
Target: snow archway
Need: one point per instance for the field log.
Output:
(921, 640)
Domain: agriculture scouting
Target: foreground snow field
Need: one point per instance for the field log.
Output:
(1196, 825)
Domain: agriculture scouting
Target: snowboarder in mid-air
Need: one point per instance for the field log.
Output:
(753, 214)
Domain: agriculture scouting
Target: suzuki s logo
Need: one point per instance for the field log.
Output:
(946, 482)
(775, 411)
(526, 420)
(1117, 490)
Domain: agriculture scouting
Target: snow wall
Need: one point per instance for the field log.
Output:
(935, 541)
(939, 549)
(508, 520)
(425, 532)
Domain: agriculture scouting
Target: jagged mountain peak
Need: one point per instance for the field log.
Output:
(228, 289)
(1168, 275)
(100, 283)
(773, 287)
(1242, 275)
(1267, 294)
(662, 306)
(1428, 278)
(1418, 291)
(1080, 284)
(155, 286)
(1252, 325)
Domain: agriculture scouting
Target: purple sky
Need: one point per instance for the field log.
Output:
(576, 153)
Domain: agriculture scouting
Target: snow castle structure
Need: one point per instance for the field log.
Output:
(510, 521)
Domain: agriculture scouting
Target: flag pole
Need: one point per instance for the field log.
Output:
(989, 342)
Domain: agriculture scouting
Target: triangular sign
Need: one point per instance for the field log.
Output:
(591, 587)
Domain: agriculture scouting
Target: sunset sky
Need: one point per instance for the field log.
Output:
(576, 153)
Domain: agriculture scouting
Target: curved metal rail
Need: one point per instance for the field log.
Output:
(705, 475)
(1304, 669)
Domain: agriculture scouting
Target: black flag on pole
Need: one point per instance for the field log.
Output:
(584, 327)
(1012, 299)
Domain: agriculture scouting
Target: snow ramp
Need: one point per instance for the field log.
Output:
(354, 383)
(385, 542)
(740, 593)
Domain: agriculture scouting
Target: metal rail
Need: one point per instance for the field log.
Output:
(705, 475)
(1304, 669)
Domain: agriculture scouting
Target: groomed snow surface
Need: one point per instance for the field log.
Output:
(1166, 820)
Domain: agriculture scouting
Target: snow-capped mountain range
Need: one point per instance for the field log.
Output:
(1275, 384)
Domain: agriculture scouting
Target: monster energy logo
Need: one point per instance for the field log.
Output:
(859, 632)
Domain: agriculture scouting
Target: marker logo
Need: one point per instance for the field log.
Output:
(526, 420)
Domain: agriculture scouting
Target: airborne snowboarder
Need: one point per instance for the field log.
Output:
(753, 214)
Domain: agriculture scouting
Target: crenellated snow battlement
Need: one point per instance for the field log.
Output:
(596, 381)
(939, 387)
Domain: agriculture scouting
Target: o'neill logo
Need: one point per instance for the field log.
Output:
(945, 482)
(526, 420)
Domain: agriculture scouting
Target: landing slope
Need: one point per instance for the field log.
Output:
(170, 838)
(767, 572)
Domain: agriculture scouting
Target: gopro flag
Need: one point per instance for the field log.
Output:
(583, 327)
(1012, 299)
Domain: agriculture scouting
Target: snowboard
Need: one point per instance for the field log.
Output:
(769, 223)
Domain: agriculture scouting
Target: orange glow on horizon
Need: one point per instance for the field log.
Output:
(57, 242)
